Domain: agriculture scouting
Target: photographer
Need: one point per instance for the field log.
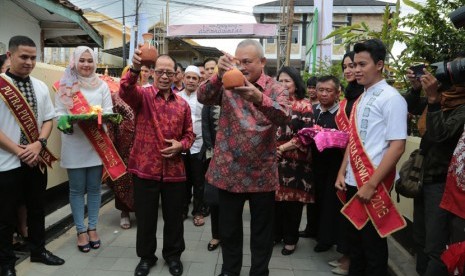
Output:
(445, 117)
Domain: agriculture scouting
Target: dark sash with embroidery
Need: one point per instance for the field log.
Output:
(112, 161)
(25, 117)
(342, 123)
(380, 209)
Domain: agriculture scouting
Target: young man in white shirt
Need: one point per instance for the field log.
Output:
(24, 153)
(377, 140)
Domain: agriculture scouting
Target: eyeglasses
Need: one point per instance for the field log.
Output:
(327, 90)
(160, 73)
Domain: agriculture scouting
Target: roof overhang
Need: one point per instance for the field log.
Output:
(62, 23)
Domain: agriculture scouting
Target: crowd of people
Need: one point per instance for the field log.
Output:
(185, 138)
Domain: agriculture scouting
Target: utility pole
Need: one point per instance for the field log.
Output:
(285, 33)
(124, 37)
(136, 26)
(290, 27)
(165, 28)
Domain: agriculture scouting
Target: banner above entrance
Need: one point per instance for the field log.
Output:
(222, 31)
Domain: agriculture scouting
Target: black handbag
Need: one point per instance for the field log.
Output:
(410, 182)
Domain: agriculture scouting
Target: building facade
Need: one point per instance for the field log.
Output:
(345, 13)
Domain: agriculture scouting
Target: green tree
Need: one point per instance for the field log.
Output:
(428, 34)
(432, 36)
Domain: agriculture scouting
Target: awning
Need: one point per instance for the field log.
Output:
(62, 22)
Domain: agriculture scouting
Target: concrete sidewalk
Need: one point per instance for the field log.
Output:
(118, 253)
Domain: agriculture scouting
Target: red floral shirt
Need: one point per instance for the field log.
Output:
(244, 159)
(157, 119)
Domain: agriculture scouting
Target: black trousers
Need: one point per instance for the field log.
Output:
(215, 221)
(146, 198)
(328, 207)
(27, 184)
(195, 171)
(287, 220)
(231, 230)
(368, 251)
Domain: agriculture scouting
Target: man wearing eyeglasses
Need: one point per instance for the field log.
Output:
(178, 83)
(163, 130)
(244, 165)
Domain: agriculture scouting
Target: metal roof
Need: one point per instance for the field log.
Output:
(62, 22)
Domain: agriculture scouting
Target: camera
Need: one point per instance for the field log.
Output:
(452, 72)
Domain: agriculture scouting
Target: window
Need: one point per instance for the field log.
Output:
(295, 34)
(270, 40)
(337, 38)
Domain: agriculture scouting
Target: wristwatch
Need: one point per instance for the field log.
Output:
(43, 142)
(135, 71)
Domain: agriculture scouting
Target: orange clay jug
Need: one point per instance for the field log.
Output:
(149, 52)
(233, 78)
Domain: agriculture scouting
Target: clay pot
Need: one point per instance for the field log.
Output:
(149, 52)
(233, 78)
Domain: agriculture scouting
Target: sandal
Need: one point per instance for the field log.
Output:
(125, 222)
(94, 244)
(83, 248)
(198, 220)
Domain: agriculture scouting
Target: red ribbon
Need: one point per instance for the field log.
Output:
(112, 161)
(25, 117)
(380, 209)
(342, 123)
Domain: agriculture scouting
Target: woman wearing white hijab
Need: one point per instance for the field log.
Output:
(78, 156)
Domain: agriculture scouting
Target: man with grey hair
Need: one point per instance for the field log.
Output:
(243, 166)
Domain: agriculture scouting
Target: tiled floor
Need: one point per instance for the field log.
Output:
(118, 253)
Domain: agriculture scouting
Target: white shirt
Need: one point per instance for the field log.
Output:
(196, 115)
(76, 150)
(10, 127)
(381, 118)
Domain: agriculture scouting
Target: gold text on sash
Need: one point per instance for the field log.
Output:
(103, 147)
(22, 113)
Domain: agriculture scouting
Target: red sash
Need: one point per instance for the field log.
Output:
(342, 123)
(453, 199)
(112, 161)
(24, 115)
(381, 210)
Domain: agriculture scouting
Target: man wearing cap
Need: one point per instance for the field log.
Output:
(192, 159)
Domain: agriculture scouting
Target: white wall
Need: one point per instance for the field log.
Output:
(16, 21)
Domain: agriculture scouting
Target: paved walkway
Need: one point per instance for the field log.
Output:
(118, 253)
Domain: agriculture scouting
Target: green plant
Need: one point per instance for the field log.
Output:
(390, 33)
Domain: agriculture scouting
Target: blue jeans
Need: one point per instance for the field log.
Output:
(84, 180)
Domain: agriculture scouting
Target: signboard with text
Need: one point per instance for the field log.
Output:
(222, 30)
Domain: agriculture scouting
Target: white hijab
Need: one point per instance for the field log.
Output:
(71, 82)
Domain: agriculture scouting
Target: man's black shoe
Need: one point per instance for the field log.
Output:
(175, 267)
(8, 270)
(46, 257)
(143, 268)
(306, 234)
(322, 247)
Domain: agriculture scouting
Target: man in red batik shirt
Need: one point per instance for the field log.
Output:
(163, 131)
(244, 165)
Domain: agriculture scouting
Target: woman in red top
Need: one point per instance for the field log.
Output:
(295, 174)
